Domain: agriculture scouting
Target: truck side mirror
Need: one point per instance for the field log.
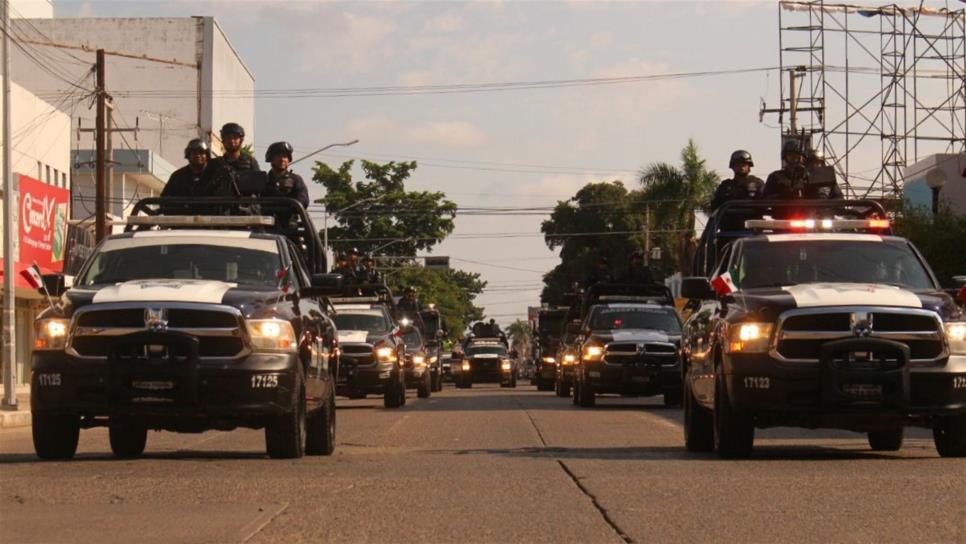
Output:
(54, 283)
(697, 288)
(574, 328)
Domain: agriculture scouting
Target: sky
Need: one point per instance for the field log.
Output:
(530, 147)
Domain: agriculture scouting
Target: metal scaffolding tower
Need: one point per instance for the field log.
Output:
(876, 88)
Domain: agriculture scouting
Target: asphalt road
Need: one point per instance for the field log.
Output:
(486, 465)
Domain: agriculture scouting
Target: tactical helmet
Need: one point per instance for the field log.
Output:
(739, 157)
(353, 251)
(409, 289)
(816, 155)
(232, 129)
(277, 148)
(791, 147)
(197, 145)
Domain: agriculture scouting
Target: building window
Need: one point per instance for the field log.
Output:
(56, 181)
(47, 168)
(63, 179)
(40, 170)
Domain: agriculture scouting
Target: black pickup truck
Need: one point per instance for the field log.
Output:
(824, 320)
(550, 329)
(190, 322)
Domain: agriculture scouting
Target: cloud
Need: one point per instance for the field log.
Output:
(381, 128)
(448, 22)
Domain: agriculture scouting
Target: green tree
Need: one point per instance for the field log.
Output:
(678, 192)
(520, 335)
(936, 237)
(379, 212)
(451, 291)
(599, 221)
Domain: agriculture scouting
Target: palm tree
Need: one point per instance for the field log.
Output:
(680, 192)
(519, 333)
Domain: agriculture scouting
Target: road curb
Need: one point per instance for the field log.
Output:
(20, 418)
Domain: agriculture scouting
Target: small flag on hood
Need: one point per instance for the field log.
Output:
(32, 276)
(723, 285)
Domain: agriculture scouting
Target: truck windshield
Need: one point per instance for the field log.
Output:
(487, 350)
(125, 259)
(774, 264)
(365, 320)
(551, 325)
(642, 317)
(413, 340)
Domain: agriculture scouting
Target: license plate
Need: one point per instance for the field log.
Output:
(153, 385)
(863, 390)
(641, 379)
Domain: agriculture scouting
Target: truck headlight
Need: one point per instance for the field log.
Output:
(419, 360)
(956, 336)
(749, 337)
(593, 352)
(51, 333)
(549, 360)
(466, 366)
(274, 334)
(385, 354)
(506, 365)
(569, 359)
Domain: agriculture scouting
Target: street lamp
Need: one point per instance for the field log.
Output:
(317, 151)
(935, 179)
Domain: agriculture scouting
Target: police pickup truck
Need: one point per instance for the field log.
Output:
(550, 328)
(820, 321)
(484, 359)
(628, 344)
(188, 323)
(373, 350)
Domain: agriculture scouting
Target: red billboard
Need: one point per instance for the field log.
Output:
(42, 223)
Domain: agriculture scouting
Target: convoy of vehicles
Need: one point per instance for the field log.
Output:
(205, 314)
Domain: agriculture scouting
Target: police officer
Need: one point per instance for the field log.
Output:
(637, 271)
(187, 180)
(223, 172)
(743, 186)
(601, 273)
(790, 182)
(369, 273)
(409, 307)
(281, 180)
(349, 267)
(814, 160)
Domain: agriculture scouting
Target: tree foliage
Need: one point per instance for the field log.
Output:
(605, 220)
(452, 291)
(939, 238)
(678, 192)
(379, 213)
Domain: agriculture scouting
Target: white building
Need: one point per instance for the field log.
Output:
(950, 168)
(175, 78)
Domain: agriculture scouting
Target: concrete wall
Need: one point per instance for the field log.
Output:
(169, 99)
(916, 191)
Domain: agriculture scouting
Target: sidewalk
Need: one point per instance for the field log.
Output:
(20, 418)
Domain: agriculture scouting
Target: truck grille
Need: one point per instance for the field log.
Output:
(802, 333)
(219, 329)
(648, 353)
(357, 354)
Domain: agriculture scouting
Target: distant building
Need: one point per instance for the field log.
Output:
(916, 190)
(176, 78)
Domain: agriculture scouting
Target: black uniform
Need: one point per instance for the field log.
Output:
(747, 188)
(223, 173)
(288, 184)
(786, 184)
(639, 275)
(185, 182)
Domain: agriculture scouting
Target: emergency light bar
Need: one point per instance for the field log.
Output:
(816, 224)
(354, 300)
(628, 298)
(201, 221)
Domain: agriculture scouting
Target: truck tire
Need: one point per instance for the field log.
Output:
(890, 440)
(285, 434)
(395, 396)
(734, 433)
(562, 390)
(127, 438)
(55, 436)
(425, 389)
(698, 424)
(576, 396)
(320, 434)
(672, 398)
(587, 396)
(949, 434)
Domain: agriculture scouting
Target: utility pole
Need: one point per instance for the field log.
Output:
(647, 235)
(9, 294)
(100, 171)
(792, 103)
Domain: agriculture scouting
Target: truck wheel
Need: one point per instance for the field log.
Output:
(513, 382)
(576, 395)
(672, 398)
(55, 436)
(560, 390)
(285, 434)
(588, 399)
(320, 436)
(425, 389)
(395, 396)
(890, 440)
(698, 424)
(950, 436)
(544, 387)
(734, 433)
(127, 438)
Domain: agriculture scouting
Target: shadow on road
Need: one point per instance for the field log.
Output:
(185, 455)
